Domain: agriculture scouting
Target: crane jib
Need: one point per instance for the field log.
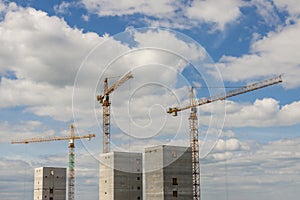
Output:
(231, 93)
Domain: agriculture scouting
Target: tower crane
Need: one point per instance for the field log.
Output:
(71, 138)
(104, 100)
(193, 121)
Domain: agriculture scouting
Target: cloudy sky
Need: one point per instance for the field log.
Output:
(54, 56)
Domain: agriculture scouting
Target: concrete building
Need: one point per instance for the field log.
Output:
(49, 183)
(168, 173)
(120, 176)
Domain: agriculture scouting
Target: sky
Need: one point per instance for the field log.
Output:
(55, 55)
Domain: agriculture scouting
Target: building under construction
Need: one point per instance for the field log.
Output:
(168, 173)
(49, 183)
(120, 176)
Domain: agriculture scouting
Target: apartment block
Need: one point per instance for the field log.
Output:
(49, 183)
(120, 176)
(168, 173)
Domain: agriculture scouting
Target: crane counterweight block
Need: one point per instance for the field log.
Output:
(172, 111)
(100, 98)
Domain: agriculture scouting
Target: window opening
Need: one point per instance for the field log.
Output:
(175, 194)
(174, 181)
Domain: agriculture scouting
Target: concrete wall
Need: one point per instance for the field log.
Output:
(49, 183)
(168, 173)
(154, 187)
(120, 176)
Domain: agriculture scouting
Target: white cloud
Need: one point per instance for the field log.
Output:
(267, 11)
(2, 7)
(215, 11)
(172, 13)
(227, 145)
(228, 133)
(7, 6)
(277, 53)
(85, 17)
(43, 48)
(223, 149)
(262, 113)
(174, 42)
(40, 98)
(120, 7)
(14, 174)
(23, 130)
(221, 156)
(253, 173)
(62, 8)
(292, 6)
(45, 54)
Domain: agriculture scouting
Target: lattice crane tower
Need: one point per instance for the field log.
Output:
(104, 100)
(193, 122)
(71, 168)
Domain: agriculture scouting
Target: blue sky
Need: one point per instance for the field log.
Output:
(55, 55)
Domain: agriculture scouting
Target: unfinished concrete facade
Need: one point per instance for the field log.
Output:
(49, 183)
(168, 173)
(120, 176)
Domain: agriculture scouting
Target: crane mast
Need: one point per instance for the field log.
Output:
(193, 122)
(71, 168)
(71, 177)
(194, 143)
(104, 100)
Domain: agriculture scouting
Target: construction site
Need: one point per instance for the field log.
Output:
(163, 172)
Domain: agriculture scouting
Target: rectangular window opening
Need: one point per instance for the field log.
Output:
(174, 181)
(175, 194)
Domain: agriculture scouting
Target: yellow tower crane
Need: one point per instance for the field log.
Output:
(71, 138)
(193, 122)
(104, 100)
